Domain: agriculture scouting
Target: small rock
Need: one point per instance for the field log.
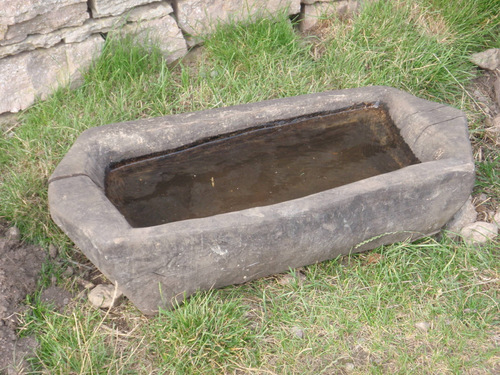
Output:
(53, 251)
(496, 218)
(349, 366)
(298, 332)
(493, 132)
(104, 296)
(489, 59)
(496, 86)
(465, 216)
(85, 283)
(423, 326)
(13, 234)
(479, 232)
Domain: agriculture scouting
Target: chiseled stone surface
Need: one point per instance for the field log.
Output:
(29, 75)
(198, 17)
(159, 265)
(162, 32)
(32, 42)
(103, 8)
(149, 12)
(16, 11)
(70, 15)
(106, 24)
(94, 26)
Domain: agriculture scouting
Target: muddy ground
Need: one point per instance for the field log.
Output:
(20, 265)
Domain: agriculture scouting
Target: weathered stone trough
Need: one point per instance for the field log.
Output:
(139, 231)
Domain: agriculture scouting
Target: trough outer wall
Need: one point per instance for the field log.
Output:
(159, 265)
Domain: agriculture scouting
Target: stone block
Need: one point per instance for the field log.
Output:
(17, 11)
(92, 26)
(32, 42)
(70, 15)
(162, 32)
(106, 24)
(104, 8)
(29, 75)
(149, 12)
(198, 17)
(311, 14)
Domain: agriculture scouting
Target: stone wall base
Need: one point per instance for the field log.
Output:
(47, 43)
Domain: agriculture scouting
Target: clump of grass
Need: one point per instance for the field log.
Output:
(210, 334)
(248, 62)
(82, 341)
(360, 311)
(408, 45)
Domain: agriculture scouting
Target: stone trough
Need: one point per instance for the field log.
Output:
(168, 206)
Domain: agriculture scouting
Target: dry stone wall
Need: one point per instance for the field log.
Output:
(47, 43)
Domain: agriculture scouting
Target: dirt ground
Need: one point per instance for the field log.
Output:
(20, 265)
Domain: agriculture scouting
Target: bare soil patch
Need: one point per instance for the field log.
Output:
(20, 265)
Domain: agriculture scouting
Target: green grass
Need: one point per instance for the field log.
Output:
(356, 311)
(352, 310)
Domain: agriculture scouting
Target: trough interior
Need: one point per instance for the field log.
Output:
(259, 166)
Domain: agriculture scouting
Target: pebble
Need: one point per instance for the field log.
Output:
(479, 232)
(298, 332)
(489, 59)
(102, 296)
(13, 234)
(493, 133)
(349, 366)
(496, 218)
(423, 326)
(53, 251)
(85, 283)
(465, 216)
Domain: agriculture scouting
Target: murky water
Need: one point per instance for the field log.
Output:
(258, 167)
